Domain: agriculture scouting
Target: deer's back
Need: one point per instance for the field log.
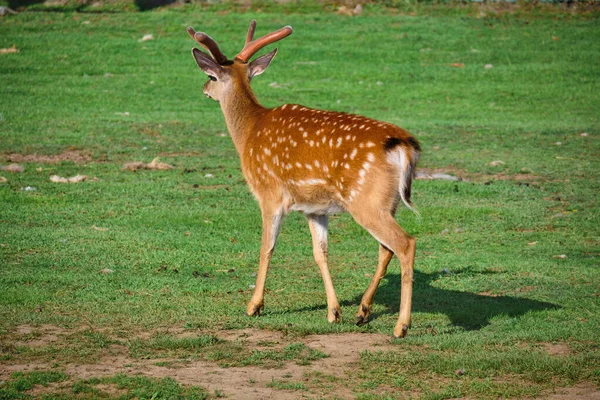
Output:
(319, 157)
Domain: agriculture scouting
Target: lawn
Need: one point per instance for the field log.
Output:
(134, 284)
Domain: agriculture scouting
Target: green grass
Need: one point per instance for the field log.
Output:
(128, 387)
(183, 246)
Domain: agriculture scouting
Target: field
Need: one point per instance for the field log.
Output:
(133, 284)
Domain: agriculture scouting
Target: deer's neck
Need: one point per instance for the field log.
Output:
(241, 110)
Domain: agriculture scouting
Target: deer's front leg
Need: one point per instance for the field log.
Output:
(271, 221)
(318, 229)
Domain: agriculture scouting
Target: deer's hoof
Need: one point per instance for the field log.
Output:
(334, 315)
(362, 318)
(402, 332)
(254, 310)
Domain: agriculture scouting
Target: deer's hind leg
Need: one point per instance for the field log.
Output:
(364, 310)
(393, 240)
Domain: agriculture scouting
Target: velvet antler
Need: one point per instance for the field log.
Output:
(251, 46)
(208, 43)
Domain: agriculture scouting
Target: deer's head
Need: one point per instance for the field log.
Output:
(225, 76)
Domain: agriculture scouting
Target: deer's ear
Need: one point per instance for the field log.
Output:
(259, 65)
(207, 64)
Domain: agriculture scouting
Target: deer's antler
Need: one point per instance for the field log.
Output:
(253, 46)
(208, 43)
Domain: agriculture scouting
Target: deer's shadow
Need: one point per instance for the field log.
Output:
(471, 311)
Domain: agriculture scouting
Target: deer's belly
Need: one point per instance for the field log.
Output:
(318, 209)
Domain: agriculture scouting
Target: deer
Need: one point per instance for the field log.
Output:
(295, 158)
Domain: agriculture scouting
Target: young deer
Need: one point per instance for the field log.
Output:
(317, 162)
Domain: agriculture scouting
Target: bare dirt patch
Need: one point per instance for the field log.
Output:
(247, 382)
(54, 388)
(582, 391)
(28, 335)
(322, 378)
(556, 349)
(75, 156)
(431, 173)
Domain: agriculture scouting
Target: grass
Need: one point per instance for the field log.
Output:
(490, 288)
(125, 387)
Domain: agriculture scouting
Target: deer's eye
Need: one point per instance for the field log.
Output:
(212, 78)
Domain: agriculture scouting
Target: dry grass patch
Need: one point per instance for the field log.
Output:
(75, 156)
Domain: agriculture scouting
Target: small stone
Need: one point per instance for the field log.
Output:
(9, 50)
(343, 10)
(106, 271)
(444, 177)
(14, 168)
